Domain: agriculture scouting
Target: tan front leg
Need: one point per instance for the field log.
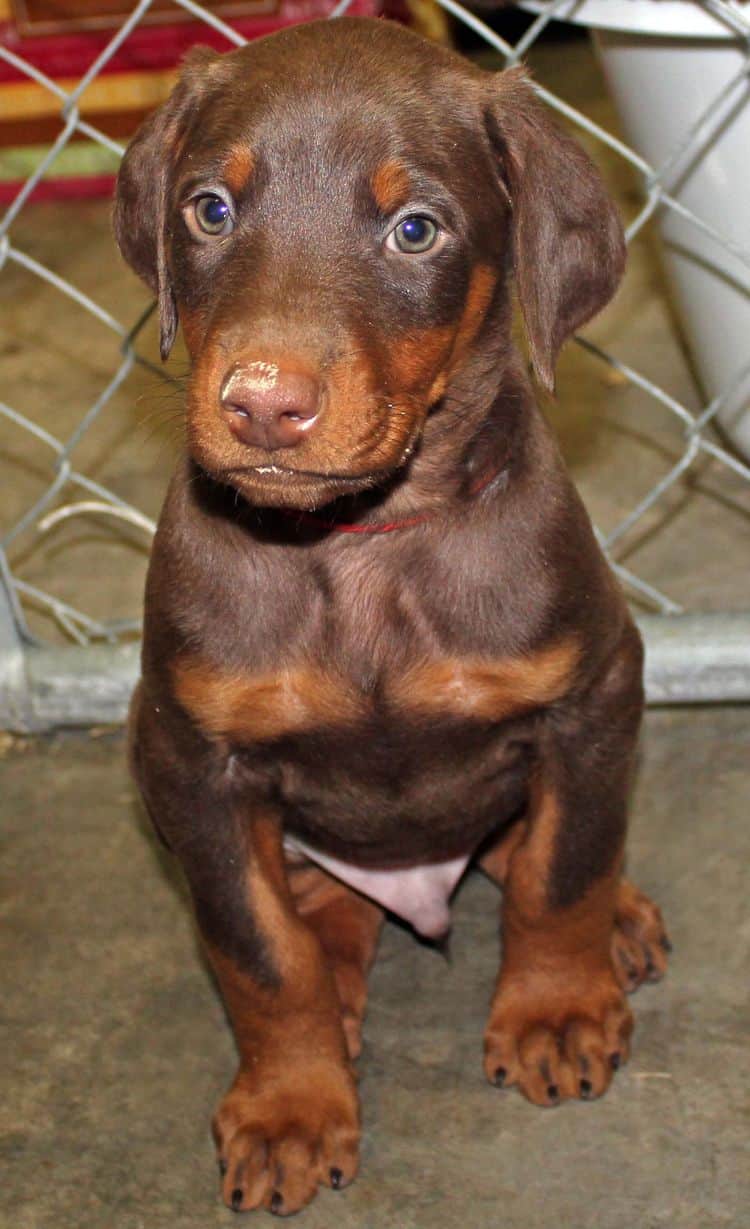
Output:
(640, 946)
(290, 1120)
(559, 1024)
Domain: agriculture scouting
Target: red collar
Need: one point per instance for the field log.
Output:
(341, 526)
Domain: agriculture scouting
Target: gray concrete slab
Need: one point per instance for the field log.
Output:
(116, 1048)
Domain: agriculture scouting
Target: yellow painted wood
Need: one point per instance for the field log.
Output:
(115, 92)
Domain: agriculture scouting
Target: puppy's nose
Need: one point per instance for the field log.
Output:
(267, 406)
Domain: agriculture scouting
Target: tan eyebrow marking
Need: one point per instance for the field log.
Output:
(237, 168)
(390, 185)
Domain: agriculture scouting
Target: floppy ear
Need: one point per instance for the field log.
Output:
(139, 215)
(568, 242)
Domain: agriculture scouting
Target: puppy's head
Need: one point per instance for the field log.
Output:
(332, 213)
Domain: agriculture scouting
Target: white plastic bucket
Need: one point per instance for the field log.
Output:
(665, 62)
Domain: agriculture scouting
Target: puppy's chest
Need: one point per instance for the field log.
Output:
(391, 751)
(372, 665)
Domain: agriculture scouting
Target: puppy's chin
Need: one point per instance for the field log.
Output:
(273, 486)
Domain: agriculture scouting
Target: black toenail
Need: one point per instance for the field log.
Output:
(500, 1077)
(236, 1199)
(665, 944)
(336, 1178)
(222, 1166)
(585, 1087)
(276, 1201)
(553, 1092)
(614, 1061)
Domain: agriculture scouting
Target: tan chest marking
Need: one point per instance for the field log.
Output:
(257, 708)
(484, 689)
(254, 708)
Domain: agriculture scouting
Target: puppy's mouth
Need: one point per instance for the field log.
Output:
(269, 483)
(286, 473)
(280, 486)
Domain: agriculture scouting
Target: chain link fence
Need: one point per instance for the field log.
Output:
(692, 654)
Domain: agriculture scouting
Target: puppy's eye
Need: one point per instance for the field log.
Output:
(210, 214)
(415, 234)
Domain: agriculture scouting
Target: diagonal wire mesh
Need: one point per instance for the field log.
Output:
(68, 490)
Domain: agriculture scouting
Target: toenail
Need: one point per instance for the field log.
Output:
(553, 1092)
(236, 1199)
(585, 1087)
(222, 1166)
(336, 1178)
(276, 1201)
(500, 1077)
(665, 944)
(614, 1061)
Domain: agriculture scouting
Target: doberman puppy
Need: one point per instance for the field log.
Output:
(380, 638)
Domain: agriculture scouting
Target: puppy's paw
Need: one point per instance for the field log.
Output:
(640, 946)
(557, 1041)
(280, 1136)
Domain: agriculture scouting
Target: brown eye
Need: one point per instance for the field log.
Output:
(212, 215)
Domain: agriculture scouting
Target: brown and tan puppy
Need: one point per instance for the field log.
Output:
(380, 639)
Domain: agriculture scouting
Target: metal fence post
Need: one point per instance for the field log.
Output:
(43, 687)
(13, 682)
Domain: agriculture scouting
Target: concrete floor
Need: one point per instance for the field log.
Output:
(116, 1047)
(115, 1042)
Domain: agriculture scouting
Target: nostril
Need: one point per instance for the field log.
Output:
(303, 417)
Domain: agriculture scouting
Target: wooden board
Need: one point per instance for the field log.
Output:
(66, 16)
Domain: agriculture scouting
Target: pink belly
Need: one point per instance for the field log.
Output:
(418, 894)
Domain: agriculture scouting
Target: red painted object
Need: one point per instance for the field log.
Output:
(64, 188)
(151, 48)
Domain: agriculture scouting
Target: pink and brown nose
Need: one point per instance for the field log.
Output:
(269, 407)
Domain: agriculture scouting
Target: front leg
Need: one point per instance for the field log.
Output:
(290, 1120)
(559, 1024)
